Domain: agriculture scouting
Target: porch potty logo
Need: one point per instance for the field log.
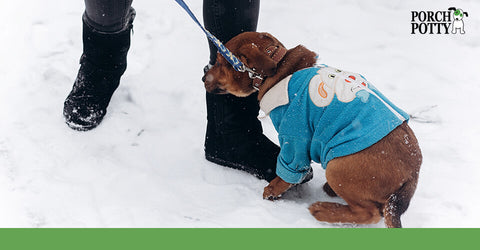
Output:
(439, 22)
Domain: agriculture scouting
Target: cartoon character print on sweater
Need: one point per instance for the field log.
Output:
(331, 81)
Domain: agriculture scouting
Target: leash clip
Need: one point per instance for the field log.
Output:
(252, 74)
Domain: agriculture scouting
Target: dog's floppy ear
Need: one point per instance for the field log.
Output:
(465, 13)
(452, 8)
(253, 57)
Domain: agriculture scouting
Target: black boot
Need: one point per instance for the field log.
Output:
(235, 139)
(234, 136)
(103, 62)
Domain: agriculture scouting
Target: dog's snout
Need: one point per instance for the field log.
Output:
(208, 77)
(211, 84)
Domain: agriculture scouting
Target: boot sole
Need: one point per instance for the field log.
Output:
(79, 127)
(237, 166)
(249, 170)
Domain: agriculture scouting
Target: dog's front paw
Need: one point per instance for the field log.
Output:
(275, 189)
(268, 194)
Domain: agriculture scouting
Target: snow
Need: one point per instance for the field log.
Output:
(144, 165)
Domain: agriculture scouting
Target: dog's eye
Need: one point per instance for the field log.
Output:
(338, 71)
(331, 76)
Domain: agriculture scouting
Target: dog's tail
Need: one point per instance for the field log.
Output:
(398, 203)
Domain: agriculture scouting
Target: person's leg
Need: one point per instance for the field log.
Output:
(234, 136)
(107, 15)
(226, 19)
(106, 39)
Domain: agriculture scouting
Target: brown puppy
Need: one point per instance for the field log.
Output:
(377, 181)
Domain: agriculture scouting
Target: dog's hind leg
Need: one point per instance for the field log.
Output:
(330, 212)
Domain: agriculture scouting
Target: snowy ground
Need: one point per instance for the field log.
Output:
(144, 166)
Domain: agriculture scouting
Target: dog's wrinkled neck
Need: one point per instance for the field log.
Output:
(294, 60)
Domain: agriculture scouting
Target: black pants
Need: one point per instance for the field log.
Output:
(107, 15)
(228, 18)
(223, 18)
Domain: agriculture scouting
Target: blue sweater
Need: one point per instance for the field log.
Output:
(324, 113)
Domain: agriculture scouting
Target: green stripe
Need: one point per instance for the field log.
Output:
(244, 239)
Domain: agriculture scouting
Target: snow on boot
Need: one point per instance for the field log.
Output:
(103, 62)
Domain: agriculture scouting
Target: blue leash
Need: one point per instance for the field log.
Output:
(233, 60)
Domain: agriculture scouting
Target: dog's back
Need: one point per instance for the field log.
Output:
(339, 119)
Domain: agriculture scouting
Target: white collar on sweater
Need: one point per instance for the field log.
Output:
(275, 97)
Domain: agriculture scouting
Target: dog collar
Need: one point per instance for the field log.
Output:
(277, 53)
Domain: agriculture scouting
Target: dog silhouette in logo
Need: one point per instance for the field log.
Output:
(457, 22)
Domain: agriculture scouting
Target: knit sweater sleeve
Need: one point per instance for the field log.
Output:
(294, 160)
